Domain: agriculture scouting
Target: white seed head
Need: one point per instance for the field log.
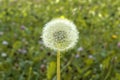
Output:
(60, 34)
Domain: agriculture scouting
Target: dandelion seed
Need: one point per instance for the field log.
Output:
(60, 35)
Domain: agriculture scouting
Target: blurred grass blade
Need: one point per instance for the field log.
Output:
(51, 70)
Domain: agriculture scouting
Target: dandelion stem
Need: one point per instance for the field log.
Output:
(58, 65)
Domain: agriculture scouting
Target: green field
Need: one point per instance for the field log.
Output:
(24, 57)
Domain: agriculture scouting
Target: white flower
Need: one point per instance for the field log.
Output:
(80, 49)
(5, 43)
(1, 33)
(60, 34)
(3, 54)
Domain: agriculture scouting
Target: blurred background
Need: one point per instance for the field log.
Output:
(24, 57)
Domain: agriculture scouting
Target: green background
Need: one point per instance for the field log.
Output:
(24, 57)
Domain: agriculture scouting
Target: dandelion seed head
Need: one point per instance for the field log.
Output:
(60, 34)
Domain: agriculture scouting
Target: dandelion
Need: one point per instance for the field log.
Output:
(59, 35)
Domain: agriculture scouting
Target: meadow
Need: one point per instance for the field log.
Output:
(24, 57)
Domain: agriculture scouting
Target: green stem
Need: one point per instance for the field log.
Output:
(58, 65)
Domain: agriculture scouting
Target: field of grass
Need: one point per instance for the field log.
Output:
(24, 57)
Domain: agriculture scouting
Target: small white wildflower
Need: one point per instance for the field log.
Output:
(77, 56)
(80, 49)
(23, 51)
(90, 56)
(5, 43)
(1, 33)
(60, 34)
(3, 54)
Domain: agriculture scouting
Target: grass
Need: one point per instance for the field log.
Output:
(95, 57)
